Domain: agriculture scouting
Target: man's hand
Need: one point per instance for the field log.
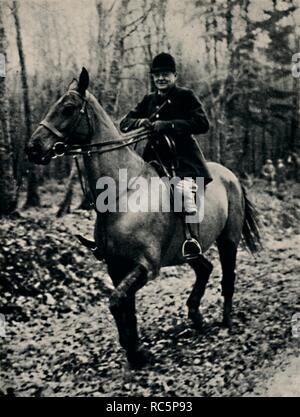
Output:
(144, 123)
(161, 126)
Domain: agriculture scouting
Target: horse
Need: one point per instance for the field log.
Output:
(135, 246)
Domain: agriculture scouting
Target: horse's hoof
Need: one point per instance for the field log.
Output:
(139, 358)
(197, 320)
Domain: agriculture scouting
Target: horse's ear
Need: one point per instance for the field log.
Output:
(84, 80)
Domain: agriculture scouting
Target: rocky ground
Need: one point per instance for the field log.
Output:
(61, 340)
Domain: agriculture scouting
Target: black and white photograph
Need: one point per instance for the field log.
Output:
(149, 201)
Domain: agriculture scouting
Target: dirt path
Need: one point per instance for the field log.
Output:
(286, 383)
(280, 381)
(61, 339)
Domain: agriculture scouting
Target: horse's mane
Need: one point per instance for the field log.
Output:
(104, 119)
(108, 128)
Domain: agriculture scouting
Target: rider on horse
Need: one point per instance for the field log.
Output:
(178, 114)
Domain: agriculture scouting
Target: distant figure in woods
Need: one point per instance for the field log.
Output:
(293, 167)
(280, 173)
(181, 114)
(268, 172)
(290, 168)
(246, 180)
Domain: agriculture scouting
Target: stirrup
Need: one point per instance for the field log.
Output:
(191, 249)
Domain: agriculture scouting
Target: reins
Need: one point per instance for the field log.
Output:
(128, 139)
(64, 148)
(135, 138)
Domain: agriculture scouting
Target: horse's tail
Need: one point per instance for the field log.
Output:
(251, 233)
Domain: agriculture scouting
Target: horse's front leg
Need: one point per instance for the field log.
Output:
(122, 307)
(125, 316)
(203, 269)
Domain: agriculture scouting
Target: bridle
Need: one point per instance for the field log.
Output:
(65, 147)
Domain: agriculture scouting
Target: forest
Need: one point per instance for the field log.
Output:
(235, 54)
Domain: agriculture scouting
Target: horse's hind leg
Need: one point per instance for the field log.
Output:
(122, 307)
(227, 251)
(203, 271)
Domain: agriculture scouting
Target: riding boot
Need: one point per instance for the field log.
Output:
(191, 248)
(187, 188)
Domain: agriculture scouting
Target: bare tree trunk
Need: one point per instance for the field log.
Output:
(228, 82)
(8, 194)
(247, 164)
(85, 203)
(65, 205)
(117, 59)
(101, 55)
(295, 127)
(215, 30)
(207, 46)
(33, 199)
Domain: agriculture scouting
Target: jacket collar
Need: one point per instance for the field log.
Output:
(166, 96)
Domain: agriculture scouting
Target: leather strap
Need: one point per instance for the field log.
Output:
(52, 129)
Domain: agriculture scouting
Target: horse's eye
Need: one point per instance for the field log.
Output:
(68, 111)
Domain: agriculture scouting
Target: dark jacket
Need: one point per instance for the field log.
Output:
(187, 117)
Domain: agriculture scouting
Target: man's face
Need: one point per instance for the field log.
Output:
(164, 80)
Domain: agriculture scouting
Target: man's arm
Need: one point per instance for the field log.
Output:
(131, 120)
(194, 120)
